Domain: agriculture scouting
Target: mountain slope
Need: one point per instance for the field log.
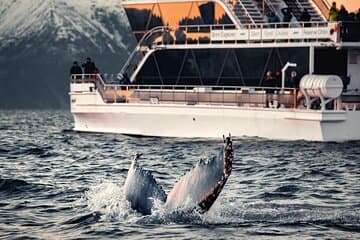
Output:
(39, 39)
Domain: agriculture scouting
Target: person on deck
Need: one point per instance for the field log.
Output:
(294, 80)
(357, 16)
(167, 38)
(269, 82)
(95, 73)
(343, 14)
(351, 17)
(278, 78)
(333, 13)
(89, 66)
(287, 16)
(305, 17)
(273, 18)
(125, 79)
(76, 70)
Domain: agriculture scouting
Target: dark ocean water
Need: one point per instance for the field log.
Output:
(58, 184)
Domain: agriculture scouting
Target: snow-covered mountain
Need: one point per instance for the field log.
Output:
(39, 39)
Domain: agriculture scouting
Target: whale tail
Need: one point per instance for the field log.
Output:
(141, 188)
(200, 187)
(203, 184)
(206, 203)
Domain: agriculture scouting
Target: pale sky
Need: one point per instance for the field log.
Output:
(350, 5)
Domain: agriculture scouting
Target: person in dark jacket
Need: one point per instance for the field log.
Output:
(89, 66)
(287, 16)
(76, 70)
(278, 78)
(125, 79)
(166, 36)
(294, 80)
(305, 17)
(357, 16)
(269, 82)
(273, 18)
(343, 14)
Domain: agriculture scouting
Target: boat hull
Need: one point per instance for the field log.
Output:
(184, 120)
(212, 121)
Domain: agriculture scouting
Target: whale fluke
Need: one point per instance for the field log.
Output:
(202, 185)
(212, 195)
(141, 188)
(199, 188)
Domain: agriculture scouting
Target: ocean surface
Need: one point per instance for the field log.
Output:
(59, 184)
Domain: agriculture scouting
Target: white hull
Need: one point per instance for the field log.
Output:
(190, 121)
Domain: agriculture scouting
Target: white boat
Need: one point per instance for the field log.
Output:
(199, 66)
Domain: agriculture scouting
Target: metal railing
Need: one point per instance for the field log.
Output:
(161, 36)
(350, 31)
(206, 30)
(351, 100)
(241, 96)
(138, 50)
(148, 40)
(256, 33)
(191, 94)
(155, 35)
(128, 62)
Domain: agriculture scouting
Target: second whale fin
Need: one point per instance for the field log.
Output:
(141, 188)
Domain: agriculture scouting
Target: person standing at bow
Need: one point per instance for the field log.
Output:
(89, 67)
(76, 71)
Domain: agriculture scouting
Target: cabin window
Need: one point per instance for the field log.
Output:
(143, 17)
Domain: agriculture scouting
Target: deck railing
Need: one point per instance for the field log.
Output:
(192, 94)
(187, 35)
(350, 31)
(245, 96)
(249, 33)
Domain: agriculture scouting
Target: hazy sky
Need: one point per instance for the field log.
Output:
(350, 5)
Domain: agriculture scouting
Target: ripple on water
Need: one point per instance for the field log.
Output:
(10, 185)
(56, 183)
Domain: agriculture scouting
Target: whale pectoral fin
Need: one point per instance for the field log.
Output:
(141, 188)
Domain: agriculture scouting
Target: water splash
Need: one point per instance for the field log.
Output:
(108, 199)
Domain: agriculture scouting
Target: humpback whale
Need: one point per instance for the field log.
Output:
(199, 188)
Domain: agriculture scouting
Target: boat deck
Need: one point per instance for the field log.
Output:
(262, 97)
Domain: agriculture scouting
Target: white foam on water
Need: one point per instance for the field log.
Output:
(221, 212)
(108, 199)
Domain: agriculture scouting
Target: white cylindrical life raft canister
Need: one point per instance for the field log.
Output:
(329, 86)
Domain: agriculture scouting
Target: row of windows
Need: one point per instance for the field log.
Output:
(143, 17)
(231, 67)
